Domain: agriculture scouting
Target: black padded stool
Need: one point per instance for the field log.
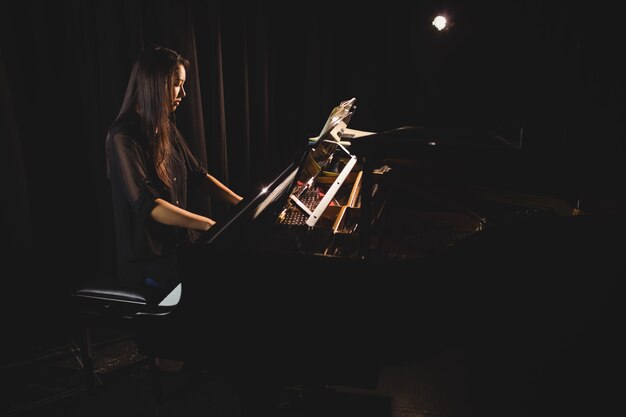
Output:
(140, 310)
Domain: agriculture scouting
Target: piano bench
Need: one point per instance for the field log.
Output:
(139, 310)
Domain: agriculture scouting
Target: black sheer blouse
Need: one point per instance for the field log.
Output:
(145, 248)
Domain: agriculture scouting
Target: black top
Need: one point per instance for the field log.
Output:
(146, 248)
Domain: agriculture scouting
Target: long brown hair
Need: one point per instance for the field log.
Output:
(149, 94)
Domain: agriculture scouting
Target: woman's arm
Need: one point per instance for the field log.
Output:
(221, 192)
(172, 215)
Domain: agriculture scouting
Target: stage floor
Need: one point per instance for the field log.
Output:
(577, 379)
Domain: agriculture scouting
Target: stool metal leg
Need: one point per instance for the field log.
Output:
(155, 379)
(86, 358)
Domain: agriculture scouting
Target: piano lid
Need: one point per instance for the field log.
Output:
(412, 141)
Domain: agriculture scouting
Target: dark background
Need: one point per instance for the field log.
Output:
(263, 79)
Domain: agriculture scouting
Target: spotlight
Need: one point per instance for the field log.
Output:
(440, 22)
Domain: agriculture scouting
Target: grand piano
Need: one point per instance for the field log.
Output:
(379, 248)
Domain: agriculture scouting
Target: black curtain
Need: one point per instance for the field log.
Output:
(263, 79)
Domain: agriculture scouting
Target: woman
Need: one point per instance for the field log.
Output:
(152, 172)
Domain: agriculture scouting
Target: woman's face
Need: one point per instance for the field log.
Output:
(178, 90)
